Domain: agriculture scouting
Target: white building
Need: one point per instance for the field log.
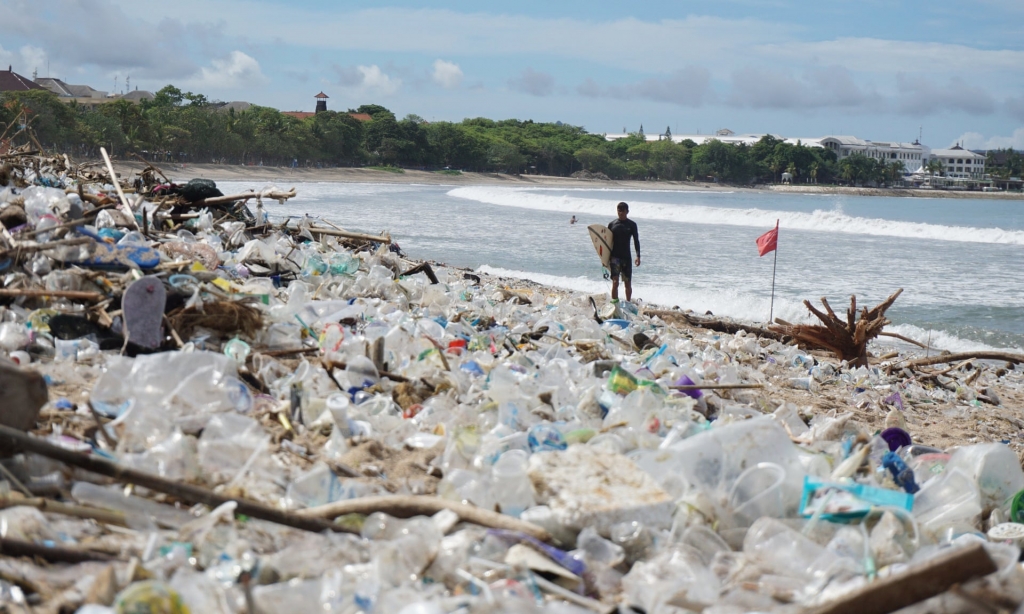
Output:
(913, 155)
(959, 163)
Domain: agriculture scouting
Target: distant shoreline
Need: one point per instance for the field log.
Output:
(284, 176)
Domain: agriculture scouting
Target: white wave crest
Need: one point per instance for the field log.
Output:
(819, 220)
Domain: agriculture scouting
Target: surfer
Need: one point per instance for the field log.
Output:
(622, 258)
(573, 220)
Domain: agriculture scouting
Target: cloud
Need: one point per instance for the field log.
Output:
(654, 46)
(370, 80)
(920, 96)
(875, 55)
(687, 87)
(974, 140)
(816, 88)
(68, 29)
(1015, 107)
(447, 74)
(235, 71)
(534, 83)
(26, 60)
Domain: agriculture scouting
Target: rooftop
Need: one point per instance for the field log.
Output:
(11, 81)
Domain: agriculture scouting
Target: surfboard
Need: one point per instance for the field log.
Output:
(603, 241)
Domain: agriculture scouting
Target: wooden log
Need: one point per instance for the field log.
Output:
(11, 439)
(42, 247)
(54, 507)
(405, 506)
(75, 295)
(902, 338)
(716, 324)
(223, 200)
(946, 358)
(350, 235)
(56, 554)
(920, 582)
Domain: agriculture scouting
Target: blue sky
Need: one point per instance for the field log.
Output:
(873, 69)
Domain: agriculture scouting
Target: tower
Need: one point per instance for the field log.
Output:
(321, 102)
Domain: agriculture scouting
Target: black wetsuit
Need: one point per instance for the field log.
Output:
(622, 257)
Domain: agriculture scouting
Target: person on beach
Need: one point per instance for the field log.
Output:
(573, 220)
(623, 229)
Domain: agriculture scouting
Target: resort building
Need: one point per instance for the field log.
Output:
(960, 163)
(913, 155)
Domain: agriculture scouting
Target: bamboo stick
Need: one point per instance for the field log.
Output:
(221, 200)
(55, 554)
(76, 295)
(405, 506)
(947, 358)
(12, 438)
(78, 511)
(117, 186)
(350, 235)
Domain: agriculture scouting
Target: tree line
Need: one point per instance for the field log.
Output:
(178, 126)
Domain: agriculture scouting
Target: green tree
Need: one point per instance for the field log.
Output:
(506, 157)
(592, 159)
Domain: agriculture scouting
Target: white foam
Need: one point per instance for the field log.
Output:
(942, 340)
(720, 302)
(819, 220)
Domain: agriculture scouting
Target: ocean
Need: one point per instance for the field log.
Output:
(960, 262)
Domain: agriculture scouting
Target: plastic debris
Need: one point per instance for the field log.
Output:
(243, 360)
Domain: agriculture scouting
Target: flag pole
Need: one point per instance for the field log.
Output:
(771, 309)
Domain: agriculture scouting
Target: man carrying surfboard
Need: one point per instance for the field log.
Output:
(621, 263)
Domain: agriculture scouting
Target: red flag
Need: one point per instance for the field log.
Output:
(769, 241)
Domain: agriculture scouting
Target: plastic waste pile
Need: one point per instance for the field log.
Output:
(316, 425)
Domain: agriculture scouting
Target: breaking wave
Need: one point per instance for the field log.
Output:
(818, 221)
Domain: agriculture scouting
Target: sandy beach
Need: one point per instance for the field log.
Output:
(282, 176)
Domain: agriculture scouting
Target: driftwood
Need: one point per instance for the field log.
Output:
(914, 585)
(947, 358)
(350, 235)
(55, 554)
(720, 325)
(76, 295)
(31, 248)
(405, 506)
(848, 339)
(277, 195)
(54, 507)
(422, 268)
(12, 439)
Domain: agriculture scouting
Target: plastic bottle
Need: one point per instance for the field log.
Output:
(511, 486)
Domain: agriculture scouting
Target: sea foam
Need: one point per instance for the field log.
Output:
(818, 221)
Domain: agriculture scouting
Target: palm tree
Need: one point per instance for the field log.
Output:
(814, 171)
(775, 167)
(896, 170)
(791, 169)
(934, 166)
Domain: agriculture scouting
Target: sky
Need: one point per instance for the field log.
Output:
(951, 71)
